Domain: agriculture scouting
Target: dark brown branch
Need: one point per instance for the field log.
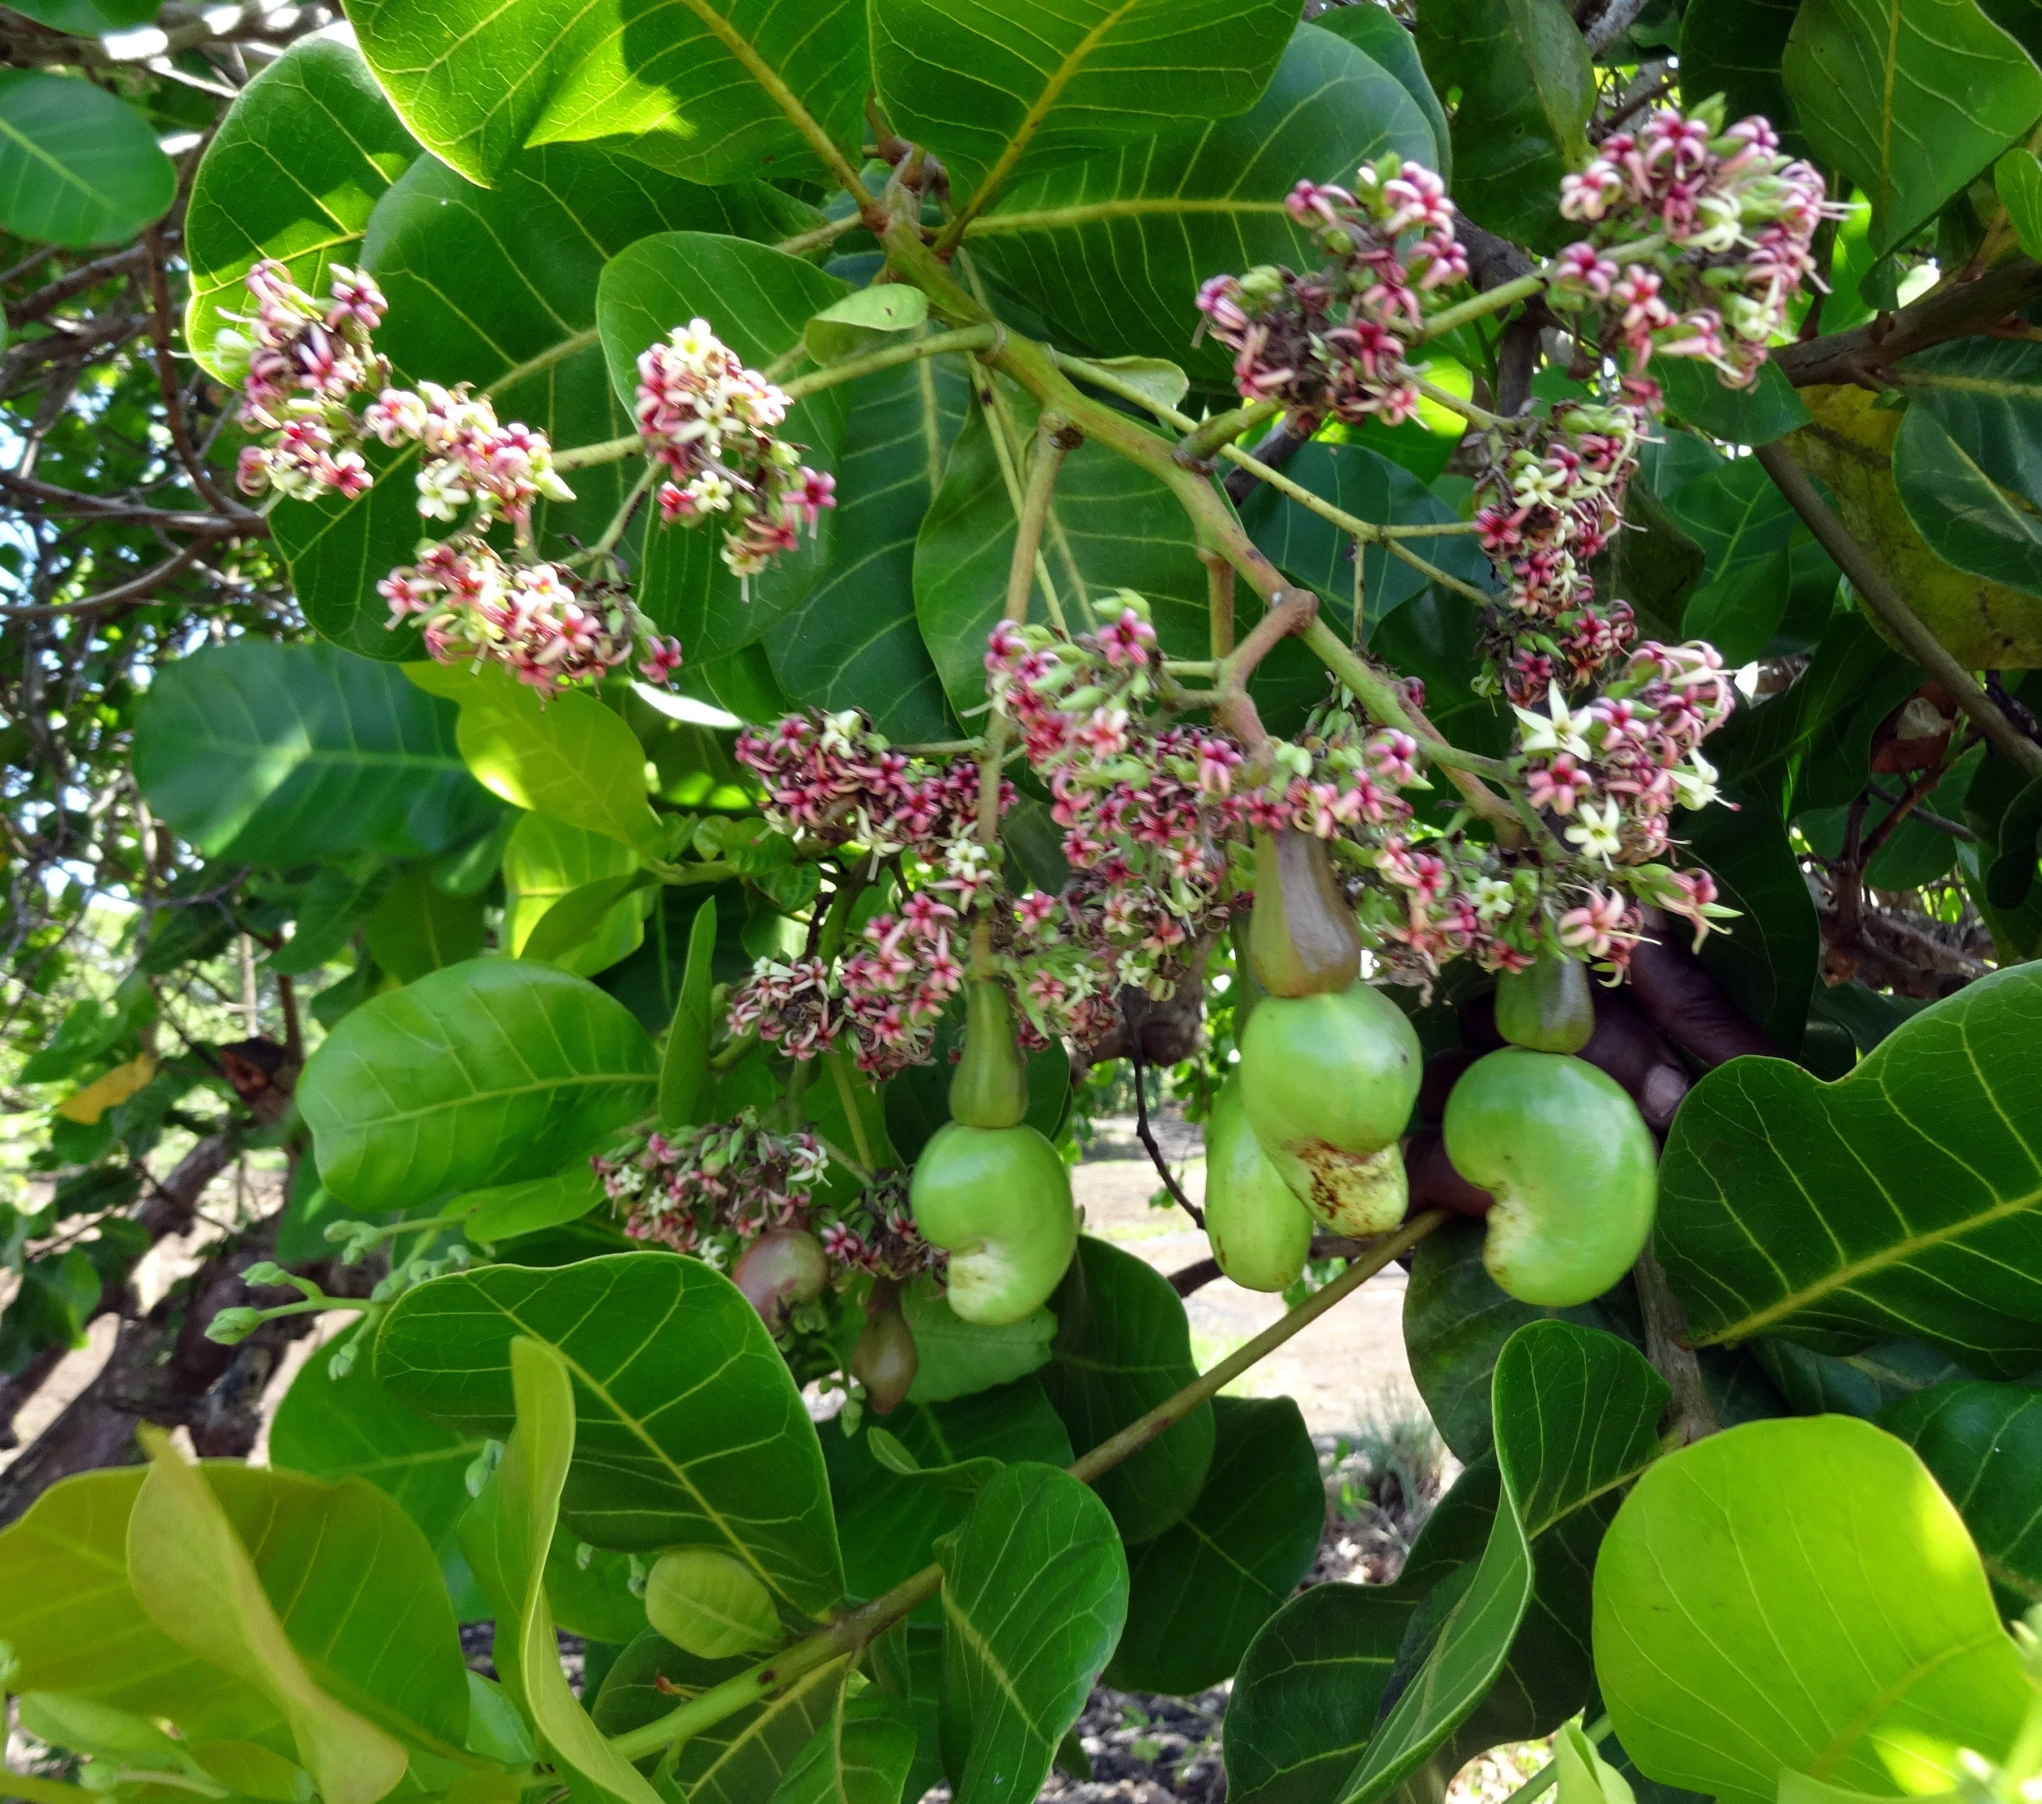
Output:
(53, 294)
(1147, 1134)
(167, 382)
(1958, 311)
(133, 590)
(124, 513)
(1200, 1273)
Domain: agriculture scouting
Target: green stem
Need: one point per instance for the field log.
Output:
(316, 1306)
(605, 451)
(818, 236)
(972, 338)
(861, 1170)
(1212, 436)
(1523, 288)
(680, 876)
(620, 522)
(853, 1632)
(1453, 403)
(841, 1076)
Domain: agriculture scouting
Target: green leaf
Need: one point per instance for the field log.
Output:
(1112, 247)
(1965, 518)
(1899, 1200)
(1983, 1444)
(690, 1429)
(710, 1604)
(354, 1583)
(1112, 526)
(854, 642)
(1769, 961)
(298, 164)
(1198, 1592)
(1526, 87)
(680, 84)
(89, 18)
(330, 908)
(1744, 526)
(959, 1358)
(1034, 1595)
(1850, 1629)
(1383, 38)
(1456, 1321)
(260, 753)
(1858, 1384)
(890, 1523)
(476, 1075)
(860, 1756)
(1123, 1345)
(1576, 1415)
(525, 1494)
(570, 757)
(510, 1210)
(419, 928)
(1757, 415)
(2017, 178)
(993, 88)
(548, 859)
(1734, 48)
(498, 287)
(684, 1066)
(77, 166)
(2012, 872)
(757, 300)
(862, 318)
(195, 1578)
(1909, 98)
(351, 1427)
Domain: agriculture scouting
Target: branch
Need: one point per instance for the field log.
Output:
(131, 590)
(851, 1633)
(166, 380)
(123, 513)
(1958, 311)
(1891, 607)
(1147, 1134)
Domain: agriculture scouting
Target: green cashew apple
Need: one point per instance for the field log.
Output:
(1302, 939)
(1329, 1082)
(998, 1201)
(1571, 1163)
(885, 1360)
(1548, 1008)
(1260, 1233)
(989, 1088)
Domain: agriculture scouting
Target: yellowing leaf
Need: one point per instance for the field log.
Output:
(194, 1577)
(108, 1092)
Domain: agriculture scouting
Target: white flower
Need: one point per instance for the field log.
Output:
(1565, 731)
(441, 492)
(1598, 831)
(1494, 898)
(1695, 782)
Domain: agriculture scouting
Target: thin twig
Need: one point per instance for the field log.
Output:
(1146, 1134)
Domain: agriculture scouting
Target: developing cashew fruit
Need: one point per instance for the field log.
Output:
(998, 1201)
(781, 1268)
(1328, 1082)
(1260, 1233)
(1571, 1164)
(885, 1360)
(1548, 1008)
(1302, 939)
(989, 1088)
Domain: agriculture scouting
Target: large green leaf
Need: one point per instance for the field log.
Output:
(690, 1431)
(260, 753)
(1899, 1200)
(479, 1074)
(1983, 1443)
(1799, 1595)
(77, 166)
(355, 1584)
(993, 86)
(1200, 1590)
(498, 287)
(1576, 1415)
(1963, 516)
(1456, 1320)
(1909, 98)
(299, 162)
(1112, 526)
(546, 859)
(1733, 48)
(1123, 1345)
(860, 1756)
(854, 642)
(890, 1521)
(194, 1574)
(1986, 393)
(1112, 247)
(1526, 86)
(1382, 37)
(1034, 1595)
(570, 758)
(757, 299)
(679, 81)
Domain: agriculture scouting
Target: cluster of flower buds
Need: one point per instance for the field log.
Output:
(831, 780)
(305, 370)
(301, 366)
(714, 1191)
(713, 426)
(1700, 238)
(1333, 344)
